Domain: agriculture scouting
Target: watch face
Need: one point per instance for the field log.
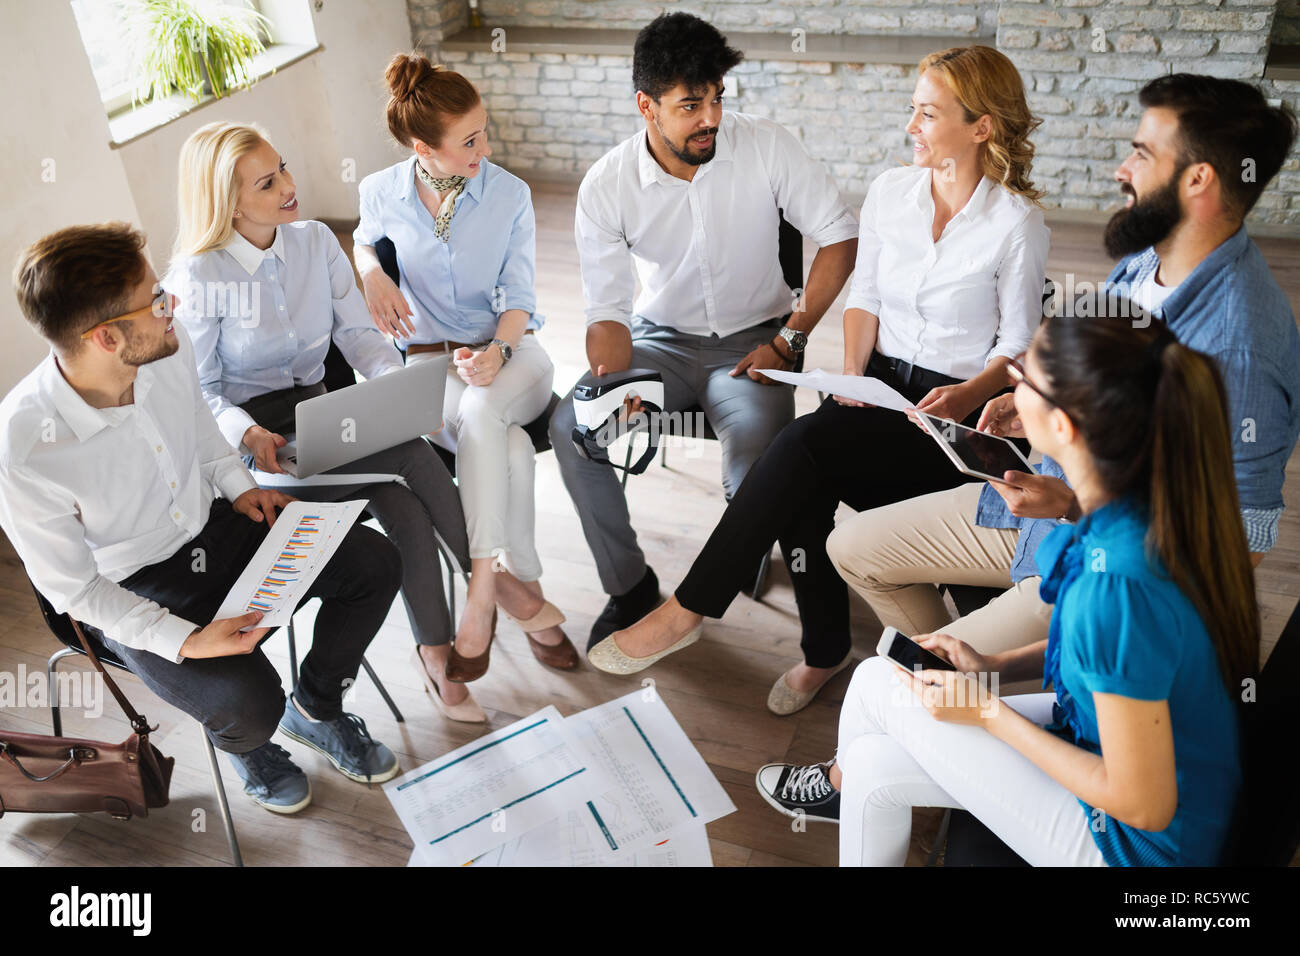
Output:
(798, 340)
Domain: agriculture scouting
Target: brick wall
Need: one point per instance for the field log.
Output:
(1083, 62)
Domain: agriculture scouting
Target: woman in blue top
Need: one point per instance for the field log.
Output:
(465, 238)
(262, 296)
(1134, 760)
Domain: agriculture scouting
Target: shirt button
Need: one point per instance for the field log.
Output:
(158, 448)
(176, 515)
(290, 334)
(173, 484)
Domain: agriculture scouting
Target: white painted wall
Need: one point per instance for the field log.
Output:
(320, 112)
(55, 164)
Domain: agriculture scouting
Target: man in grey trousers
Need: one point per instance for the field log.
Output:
(694, 203)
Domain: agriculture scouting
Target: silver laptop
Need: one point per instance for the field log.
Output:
(350, 423)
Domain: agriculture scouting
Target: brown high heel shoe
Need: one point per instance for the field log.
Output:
(461, 669)
(562, 656)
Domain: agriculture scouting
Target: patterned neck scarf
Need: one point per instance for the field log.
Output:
(442, 221)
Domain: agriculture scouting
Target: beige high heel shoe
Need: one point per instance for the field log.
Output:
(562, 656)
(467, 711)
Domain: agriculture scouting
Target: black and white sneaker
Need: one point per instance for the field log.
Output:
(800, 791)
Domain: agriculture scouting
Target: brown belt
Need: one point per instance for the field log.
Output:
(441, 347)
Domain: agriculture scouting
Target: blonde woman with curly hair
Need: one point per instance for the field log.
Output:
(947, 289)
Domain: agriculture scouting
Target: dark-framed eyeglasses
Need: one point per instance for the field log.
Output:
(1016, 369)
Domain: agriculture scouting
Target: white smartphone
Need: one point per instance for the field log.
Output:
(902, 651)
(975, 453)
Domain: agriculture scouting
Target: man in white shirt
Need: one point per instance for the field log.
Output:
(693, 203)
(110, 469)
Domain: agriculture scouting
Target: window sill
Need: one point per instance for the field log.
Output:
(130, 125)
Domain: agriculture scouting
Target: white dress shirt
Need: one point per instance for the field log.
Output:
(949, 306)
(705, 251)
(262, 319)
(88, 496)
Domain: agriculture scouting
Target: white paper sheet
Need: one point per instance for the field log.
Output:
(568, 842)
(862, 388)
(493, 790)
(660, 785)
(296, 549)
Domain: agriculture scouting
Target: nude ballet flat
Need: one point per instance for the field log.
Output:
(608, 657)
(562, 656)
(784, 700)
(467, 711)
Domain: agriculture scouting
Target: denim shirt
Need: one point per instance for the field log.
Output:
(1230, 308)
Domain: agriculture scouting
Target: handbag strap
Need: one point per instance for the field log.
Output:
(138, 723)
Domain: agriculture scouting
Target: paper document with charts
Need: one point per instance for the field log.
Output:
(294, 552)
(643, 801)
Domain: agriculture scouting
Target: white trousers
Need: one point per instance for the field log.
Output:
(495, 463)
(894, 756)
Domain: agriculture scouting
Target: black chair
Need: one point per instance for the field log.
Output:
(60, 626)
(1266, 822)
(790, 260)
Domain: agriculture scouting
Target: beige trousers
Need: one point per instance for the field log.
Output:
(896, 556)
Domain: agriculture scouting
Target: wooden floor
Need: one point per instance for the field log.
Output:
(717, 689)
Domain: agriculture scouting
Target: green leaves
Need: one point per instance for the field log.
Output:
(188, 45)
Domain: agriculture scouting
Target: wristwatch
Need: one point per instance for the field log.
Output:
(506, 350)
(798, 341)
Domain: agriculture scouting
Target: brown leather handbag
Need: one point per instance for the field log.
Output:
(44, 774)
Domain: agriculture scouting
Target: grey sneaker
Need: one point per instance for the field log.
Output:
(345, 741)
(272, 779)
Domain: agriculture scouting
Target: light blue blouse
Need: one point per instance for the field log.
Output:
(262, 320)
(459, 288)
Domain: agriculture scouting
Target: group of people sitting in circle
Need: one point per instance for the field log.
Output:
(1125, 560)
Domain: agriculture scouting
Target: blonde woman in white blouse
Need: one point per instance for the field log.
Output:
(262, 296)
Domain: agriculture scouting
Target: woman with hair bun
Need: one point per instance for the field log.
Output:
(465, 236)
(947, 289)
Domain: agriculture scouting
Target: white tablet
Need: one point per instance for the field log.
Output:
(975, 453)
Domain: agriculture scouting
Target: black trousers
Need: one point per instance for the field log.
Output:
(239, 699)
(865, 457)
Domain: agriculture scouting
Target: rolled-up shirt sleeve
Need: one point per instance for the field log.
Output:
(864, 292)
(515, 284)
(42, 524)
(1020, 277)
(806, 192)
(608, 283)
(370, 228)
(367, 349)
(188, 285)
(219, 462)
(1259, 426)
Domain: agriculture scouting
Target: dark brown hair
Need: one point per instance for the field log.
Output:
(1154, 417)
(73, 279)
(422, 96)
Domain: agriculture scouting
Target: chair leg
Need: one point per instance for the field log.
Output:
(383, 691)
(940, 838)
(760, 580)
(293, 657)
(51, 668)
(231, 840)
(627, 463)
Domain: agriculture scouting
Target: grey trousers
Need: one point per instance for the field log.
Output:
(744, 414)
(409, 514)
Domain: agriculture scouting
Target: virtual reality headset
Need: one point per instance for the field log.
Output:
(598, 407)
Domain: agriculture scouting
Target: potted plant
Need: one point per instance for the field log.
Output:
(193, 46)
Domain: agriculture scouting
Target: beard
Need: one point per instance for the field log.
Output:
(136, 352)
(1147, 222)
(685, 153)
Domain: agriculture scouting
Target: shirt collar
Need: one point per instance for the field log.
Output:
(473, 187)
(249, 256)
(83, 418)
(649, 171)
(1226, 253)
